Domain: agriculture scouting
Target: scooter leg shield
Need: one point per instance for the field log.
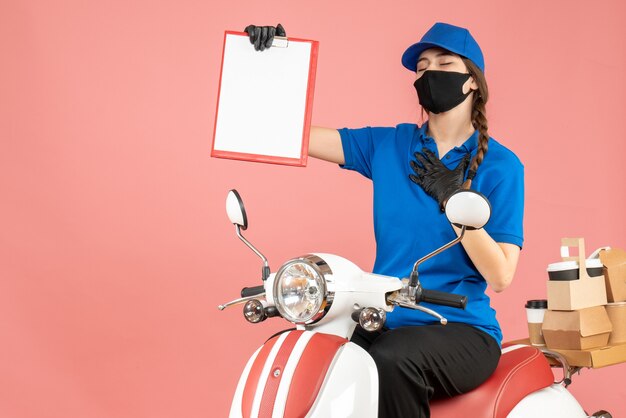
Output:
(350, 388)
(302, 373)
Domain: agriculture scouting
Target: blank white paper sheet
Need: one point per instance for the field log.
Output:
(265, 101)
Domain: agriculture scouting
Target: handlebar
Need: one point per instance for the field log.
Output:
(252, 291)
(443, 298)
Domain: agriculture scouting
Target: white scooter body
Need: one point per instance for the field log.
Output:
(314, 371)
(350, 386)
(553, 401)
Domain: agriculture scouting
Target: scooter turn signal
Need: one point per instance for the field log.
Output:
(254, 311)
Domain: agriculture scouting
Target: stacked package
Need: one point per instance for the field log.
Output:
(586, 299)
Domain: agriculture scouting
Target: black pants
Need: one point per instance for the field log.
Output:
(419, 363)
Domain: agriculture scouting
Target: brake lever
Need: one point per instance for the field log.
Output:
(397, 299)
(240, 300)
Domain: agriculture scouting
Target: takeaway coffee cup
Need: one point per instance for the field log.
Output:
(535, 309)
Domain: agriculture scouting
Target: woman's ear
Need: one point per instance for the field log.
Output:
(470, 85)
(473, 84)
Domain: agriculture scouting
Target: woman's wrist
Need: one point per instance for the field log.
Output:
(496, 262)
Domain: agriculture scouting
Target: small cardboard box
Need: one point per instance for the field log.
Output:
(596, 357)
(614, 261)
(577, 330)
(583, 293)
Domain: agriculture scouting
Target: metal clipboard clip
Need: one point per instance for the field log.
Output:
(280, 42)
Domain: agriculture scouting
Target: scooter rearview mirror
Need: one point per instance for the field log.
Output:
(235, 209)
(237, 215)
(468, 208)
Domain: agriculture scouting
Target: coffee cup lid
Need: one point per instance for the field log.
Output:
(537, 304)
(571, 265)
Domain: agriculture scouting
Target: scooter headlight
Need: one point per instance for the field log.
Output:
(300, 292)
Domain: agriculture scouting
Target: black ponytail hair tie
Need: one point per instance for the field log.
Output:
(471, 174)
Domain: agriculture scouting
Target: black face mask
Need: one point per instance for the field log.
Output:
(440, 91)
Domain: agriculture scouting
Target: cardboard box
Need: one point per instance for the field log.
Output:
(595, 357)
(617, 315)
(583, 293)
(577, 330)
(614, 261)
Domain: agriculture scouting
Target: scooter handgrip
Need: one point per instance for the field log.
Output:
(444, 298)
(252, 291)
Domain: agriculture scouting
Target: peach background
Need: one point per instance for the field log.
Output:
(115, 249)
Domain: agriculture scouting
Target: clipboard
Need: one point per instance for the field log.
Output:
(265, 100)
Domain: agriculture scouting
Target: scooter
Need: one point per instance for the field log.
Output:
(314, 370)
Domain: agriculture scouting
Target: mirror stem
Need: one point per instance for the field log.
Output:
(266, 267)
(414, 279)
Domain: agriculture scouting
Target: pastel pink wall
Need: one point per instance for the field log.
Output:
(115, 249)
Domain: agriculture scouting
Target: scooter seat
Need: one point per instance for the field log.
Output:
(522, 370)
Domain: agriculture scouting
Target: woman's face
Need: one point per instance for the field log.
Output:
(439, 59)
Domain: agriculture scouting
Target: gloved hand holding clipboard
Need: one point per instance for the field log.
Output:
(265, 97)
